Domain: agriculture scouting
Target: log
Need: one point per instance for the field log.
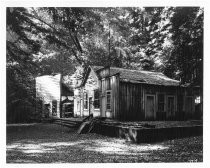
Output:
(88, 126)
(84, 127)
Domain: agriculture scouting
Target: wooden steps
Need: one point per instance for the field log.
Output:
(71, 123)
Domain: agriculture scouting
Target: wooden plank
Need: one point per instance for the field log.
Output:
(143, 102)
(112, 96)
(117, 96)
(127, 100)
(113, 102)
(103, 103)
(122, 100)
(132, 109)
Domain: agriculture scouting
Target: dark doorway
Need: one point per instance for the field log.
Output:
(46, 111)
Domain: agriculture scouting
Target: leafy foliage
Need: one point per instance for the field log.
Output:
(20, 67)
(51, 40)
(187, 29)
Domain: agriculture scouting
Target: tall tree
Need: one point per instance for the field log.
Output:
(20, 47)
(50, 40)
(187, 29)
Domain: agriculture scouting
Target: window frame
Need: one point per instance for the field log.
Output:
(78, 105)
(97, 99)
(162, 102)
(110, 104)
(174, 103)
(85, 101)
(197, 100)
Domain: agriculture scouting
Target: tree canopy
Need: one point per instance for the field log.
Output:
(50, 40)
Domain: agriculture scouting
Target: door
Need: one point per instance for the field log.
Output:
(171, 106)
(150, 107)
(67, 110)
(46, 110)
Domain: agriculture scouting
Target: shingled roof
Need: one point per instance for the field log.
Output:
(140, 76)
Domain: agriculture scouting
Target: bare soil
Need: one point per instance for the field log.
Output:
(50, 143)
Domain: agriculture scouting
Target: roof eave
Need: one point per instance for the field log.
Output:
(137, 82)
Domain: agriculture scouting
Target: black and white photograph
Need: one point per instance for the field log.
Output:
(105, 84)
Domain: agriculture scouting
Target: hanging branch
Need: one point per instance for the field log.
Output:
(60, 34)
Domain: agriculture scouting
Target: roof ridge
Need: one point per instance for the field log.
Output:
(137, 70)
(126, 69)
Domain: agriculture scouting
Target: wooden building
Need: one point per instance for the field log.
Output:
(54, 97)
(125, 94)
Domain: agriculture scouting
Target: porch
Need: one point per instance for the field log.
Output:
(138, 132)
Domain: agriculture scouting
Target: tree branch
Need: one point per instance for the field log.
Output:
(59, 34)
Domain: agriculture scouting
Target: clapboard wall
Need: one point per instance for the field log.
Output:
(130, 101)
(109, 83)
(48, 88)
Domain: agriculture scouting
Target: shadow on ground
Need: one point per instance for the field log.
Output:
(49, 143)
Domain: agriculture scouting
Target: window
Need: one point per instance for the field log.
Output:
(161, 102)
(54, 107)
(108, 100)
(85, 100)
(78, 105)
(96, 99)
(197, 100)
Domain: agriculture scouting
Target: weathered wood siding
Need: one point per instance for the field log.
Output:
(115, 96)
(104, 89)
(133, 97)
(133, 101)
(185, 93)
(110, 83)
(155, 90)
(130, 101)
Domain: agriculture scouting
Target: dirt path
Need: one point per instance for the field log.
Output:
(50, 143)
